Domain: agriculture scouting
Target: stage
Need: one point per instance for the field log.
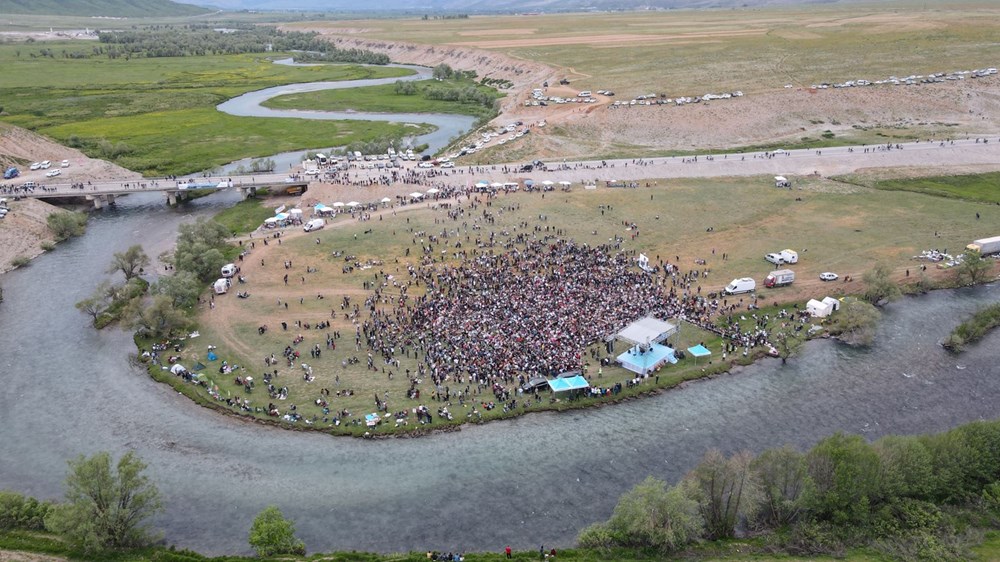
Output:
(646, 362)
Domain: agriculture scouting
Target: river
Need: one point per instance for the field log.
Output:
(446, 125)
(70, 390)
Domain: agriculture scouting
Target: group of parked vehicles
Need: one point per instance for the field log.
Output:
(778, 277)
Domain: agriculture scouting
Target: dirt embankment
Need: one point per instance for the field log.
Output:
(968, 107)
(24, 231)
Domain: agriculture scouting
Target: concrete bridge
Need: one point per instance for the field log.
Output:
(103, 193)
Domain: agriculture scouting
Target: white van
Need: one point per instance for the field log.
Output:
(742, 285)
(584, 94)
(221, 286)
(314, 224)
(228, 270)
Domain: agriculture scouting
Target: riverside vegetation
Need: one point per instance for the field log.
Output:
(156, 114)
(924, 497)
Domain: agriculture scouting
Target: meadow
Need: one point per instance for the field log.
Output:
(385, 99)
(690, 52)
(159, 113)
(835, 227)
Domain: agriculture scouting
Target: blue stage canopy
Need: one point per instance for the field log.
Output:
(570, 383)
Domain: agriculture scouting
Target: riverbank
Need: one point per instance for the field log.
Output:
(371, 238)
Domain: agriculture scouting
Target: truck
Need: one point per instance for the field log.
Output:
(783, 257)
(986, 246)
(779, 278)
(741, 285)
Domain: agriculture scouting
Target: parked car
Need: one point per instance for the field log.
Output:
(52, 173)
(828, 276)
(448, 165)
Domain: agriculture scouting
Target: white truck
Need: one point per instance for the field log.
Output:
(741, 285)
(779, 278)
(783, 257)
(986, 246)
(314, 224)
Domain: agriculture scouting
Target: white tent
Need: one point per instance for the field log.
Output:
(818, 309)
(566, 183)
(177, 369)
(338, 204)
(647, 330)
(433, 190)
(386, 200)
(834, 303)
(548, 182)
(496, 184)
(353, 204)
(271, 221)
(416, 195)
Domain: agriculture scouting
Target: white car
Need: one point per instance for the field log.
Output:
(425, 165)
(828, 276)
(53, 173)
(448, 165)
(64, 164)
(45, 164)
(36, 166)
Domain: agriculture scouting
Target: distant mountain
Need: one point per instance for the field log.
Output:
(113, 8)
(489, 6)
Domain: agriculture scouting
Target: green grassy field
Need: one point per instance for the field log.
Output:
(689, 52)
(162, 110)
(384, 99)
(973, 187)
(835, 227)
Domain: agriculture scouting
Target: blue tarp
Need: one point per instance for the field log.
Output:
(211, 356)
(699, 351)
(570, 383)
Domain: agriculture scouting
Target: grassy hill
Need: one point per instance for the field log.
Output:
(115, 8)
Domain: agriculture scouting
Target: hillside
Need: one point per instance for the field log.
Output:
(112, 8)
(493, 6)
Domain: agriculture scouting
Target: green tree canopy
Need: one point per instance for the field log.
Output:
(105, 508)
(129, 262)
(272, 534)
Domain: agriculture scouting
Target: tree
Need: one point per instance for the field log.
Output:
(130, 262)
(973, 269)
(158, 320)
(846, 472)
(183, 288)
(855, 323)
(787, 344)
(272, 534)
(106, 508)
(726, 491)
(879, 288)
(97, 302)
(906, 467)
(651, 515)
(443, 72)
(199, 248)
(784, 485)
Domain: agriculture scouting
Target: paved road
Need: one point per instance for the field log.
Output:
(827, 162)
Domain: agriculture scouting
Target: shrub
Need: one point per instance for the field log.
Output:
(20, 512)
(65, 224)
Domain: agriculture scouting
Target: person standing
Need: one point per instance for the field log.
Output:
(507, 552)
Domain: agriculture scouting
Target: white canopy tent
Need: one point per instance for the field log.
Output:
(433, 190)
(818, 309)
(386, 200)
(416, 195)
(647, 330)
